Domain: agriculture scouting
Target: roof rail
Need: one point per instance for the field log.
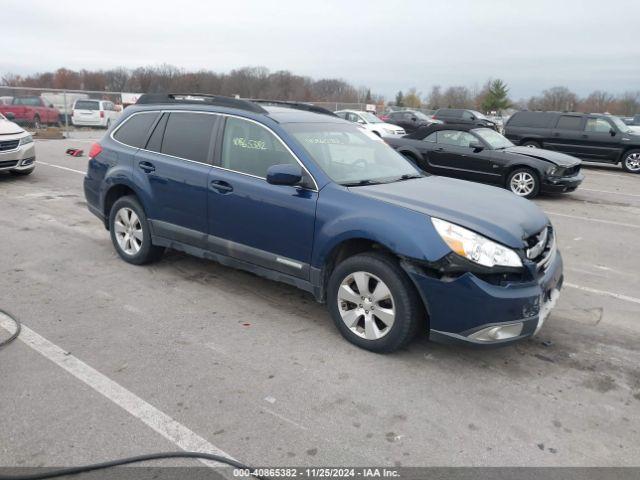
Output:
(308, 107)
(200, 99)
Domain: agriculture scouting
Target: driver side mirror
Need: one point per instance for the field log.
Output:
(360, 121)
(10, 116)
(612, 132)
(476, 146)
(285, 174)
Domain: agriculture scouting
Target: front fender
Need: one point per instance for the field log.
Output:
(343, 216)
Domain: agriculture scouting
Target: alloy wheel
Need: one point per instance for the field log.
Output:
(366, 305)
(128, 231)
(632, 162)
(522, 184)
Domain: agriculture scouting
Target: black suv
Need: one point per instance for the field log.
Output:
(410, 120)
(592, 137)
(460, 116)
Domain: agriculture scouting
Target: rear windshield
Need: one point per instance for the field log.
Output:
(532, 119)
(87, 105)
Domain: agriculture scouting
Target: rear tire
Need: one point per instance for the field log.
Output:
(130, 232)
(373, 302)
(531, 144)
(524, 182)
(631, 161)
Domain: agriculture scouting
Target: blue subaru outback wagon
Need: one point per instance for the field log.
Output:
(295, 194)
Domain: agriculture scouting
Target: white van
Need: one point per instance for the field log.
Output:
(94, 113)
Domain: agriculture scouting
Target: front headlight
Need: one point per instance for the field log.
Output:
(26, 140)
(475, 247)
(553, 171)
(389, 132)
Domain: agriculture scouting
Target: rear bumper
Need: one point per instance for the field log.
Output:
(561, 184)
(461, 309)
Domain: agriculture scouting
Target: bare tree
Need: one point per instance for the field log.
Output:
(598, 101)
(555, 98)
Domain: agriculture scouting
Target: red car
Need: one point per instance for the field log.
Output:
(33, 111)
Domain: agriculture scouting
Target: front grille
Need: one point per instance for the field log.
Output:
(541, 247)
(8, 164)
(9, 145)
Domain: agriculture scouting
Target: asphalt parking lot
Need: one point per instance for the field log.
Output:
(119, 360)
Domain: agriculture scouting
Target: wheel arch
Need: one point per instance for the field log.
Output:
(112, 193)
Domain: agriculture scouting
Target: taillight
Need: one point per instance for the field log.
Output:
(96, 149)
(101, 114)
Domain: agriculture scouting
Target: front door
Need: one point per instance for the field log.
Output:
(598, 143)
(250, 219)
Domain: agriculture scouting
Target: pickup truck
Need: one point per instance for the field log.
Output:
(32, 111)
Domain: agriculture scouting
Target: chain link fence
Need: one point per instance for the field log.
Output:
(38, 109)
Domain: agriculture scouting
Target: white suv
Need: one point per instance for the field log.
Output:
(17, 149)
(94, 113)
(370, 122)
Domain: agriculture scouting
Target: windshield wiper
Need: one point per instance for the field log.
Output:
(408, 176)
(359, 183)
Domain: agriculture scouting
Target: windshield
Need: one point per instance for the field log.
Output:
(620, 125)
(351, 155)
(369, 117)
(495, 140)
(479, 115)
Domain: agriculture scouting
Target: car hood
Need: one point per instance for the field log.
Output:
(9, 128)
(493, 212)
(557, 158)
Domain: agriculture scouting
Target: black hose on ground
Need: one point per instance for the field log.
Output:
(15, 334)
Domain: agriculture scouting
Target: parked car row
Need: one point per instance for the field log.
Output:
(324, 204)
(38, 112)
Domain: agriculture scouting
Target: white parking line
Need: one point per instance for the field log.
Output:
(591, 172)
(599, 220)
(607, 191)
(39, 162)
(160, 422)
(626, 298)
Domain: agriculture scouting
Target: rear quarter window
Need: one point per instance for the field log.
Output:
(532, 119)
(135, 130)
(569, 122)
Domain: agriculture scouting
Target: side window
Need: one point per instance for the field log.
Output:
(467, 115)
(250, 148)
(135, 130)
(597, 125)
(433, 137)
(342, 115)
(155, 141)
(188, 135)
(569, 122)
(455, 138)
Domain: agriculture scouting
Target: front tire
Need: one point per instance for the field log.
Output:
(130, 232)
(631, 161)
(531, 144)
(524, 182)
(373, 303)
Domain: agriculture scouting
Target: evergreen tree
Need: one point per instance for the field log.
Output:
(497, 97)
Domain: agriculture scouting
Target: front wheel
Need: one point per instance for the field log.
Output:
(130, 232)
(524, 182)
(373, 302)
(531, 144)
(631, 161)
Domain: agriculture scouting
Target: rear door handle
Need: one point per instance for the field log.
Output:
(147, 167)
(221, 186)
(556, 134)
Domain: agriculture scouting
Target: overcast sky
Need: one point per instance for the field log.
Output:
(387, 45)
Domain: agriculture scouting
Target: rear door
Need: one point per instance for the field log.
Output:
(598, 144)
(566, 137)
(250, 219)
(174, 168)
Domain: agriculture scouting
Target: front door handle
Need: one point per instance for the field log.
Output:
(147, 167)
(439, 149)
(585, 136)
(556, 134)
(221, 186)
